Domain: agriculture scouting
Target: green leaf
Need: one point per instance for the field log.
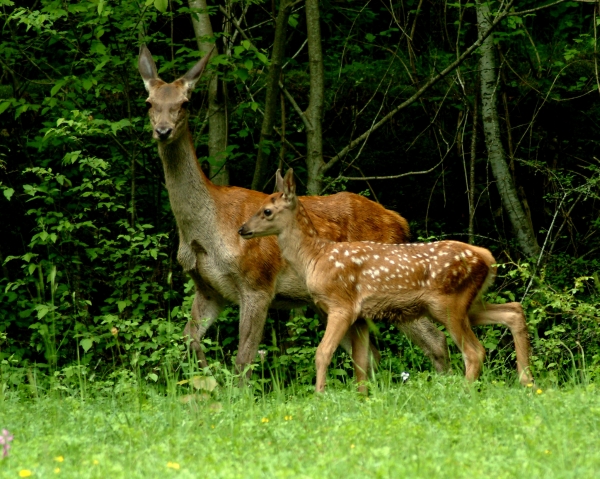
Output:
(121, 305)
(4, 105)
(204, 383)
(8, 192)
(57, 86)
(161, 5)
(86, 344)
(42, 310)
(152, 376)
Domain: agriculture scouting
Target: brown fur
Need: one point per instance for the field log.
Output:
(354, 280)
(226, 268)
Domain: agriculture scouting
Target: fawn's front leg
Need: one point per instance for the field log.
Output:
(338, 323)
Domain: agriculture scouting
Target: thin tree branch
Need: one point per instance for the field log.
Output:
(419, 92)
(393, 177)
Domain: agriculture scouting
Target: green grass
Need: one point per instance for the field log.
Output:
(425, 428)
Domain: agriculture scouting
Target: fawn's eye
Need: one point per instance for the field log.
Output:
(268, 212)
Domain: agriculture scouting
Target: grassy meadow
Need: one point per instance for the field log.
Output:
(428, 427)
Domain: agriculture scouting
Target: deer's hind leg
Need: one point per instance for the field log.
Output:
(452, 313)
(338, 323)
(510, 315)
(430, 339)
(359, 335)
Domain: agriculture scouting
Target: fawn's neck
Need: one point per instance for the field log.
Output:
(300, 243)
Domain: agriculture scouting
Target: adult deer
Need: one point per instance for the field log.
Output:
(251, 274)
(353, 280)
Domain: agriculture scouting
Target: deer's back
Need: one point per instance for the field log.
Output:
(350, 217)
(257, 263)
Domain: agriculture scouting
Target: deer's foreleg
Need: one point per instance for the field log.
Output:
(205, 310)
(253, 314)
(338, 323)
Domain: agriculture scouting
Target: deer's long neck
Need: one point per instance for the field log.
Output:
(190, 191)
(300, 244)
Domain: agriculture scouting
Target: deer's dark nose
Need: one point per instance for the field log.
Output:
(163, 133)
(243, 232)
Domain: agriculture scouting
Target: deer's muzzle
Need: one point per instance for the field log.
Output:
(244, 232)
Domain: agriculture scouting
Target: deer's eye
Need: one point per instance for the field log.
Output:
(184, 105)
(268, 212)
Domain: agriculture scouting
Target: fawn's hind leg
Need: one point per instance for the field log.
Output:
(510, 315)
(452, 314)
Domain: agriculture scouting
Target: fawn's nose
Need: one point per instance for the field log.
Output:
(243, 232)
(163, 132)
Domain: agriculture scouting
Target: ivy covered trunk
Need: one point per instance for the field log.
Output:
(314, 112)
(217, 114)
(266, 133)
(491, 127)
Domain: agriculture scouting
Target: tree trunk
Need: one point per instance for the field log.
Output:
(266, 132)
(491, 127)
(314, 112)
(217, 114)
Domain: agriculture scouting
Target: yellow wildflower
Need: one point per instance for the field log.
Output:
(288, 418)
(173, 465)
(25, 473)
(95, 462)
(529, 385)
(57, 470)
(539, 391)
(351, 446)
(264, 419)
(59, 459)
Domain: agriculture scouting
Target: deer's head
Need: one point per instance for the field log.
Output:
(276, 212)
(168, 101)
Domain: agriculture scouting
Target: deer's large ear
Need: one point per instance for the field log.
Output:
(279, 181)
(193, 75)
(147, 68)
(289, 186)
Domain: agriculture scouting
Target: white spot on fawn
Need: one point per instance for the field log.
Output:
(376, 256)
(339, 265)
(357, 261)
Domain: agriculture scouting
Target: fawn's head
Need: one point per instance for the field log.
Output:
(168, 101)
(276, 212)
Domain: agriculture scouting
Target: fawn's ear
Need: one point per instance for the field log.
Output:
(193, 75)
(147, 68)
(289, 186)
(279, 181)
